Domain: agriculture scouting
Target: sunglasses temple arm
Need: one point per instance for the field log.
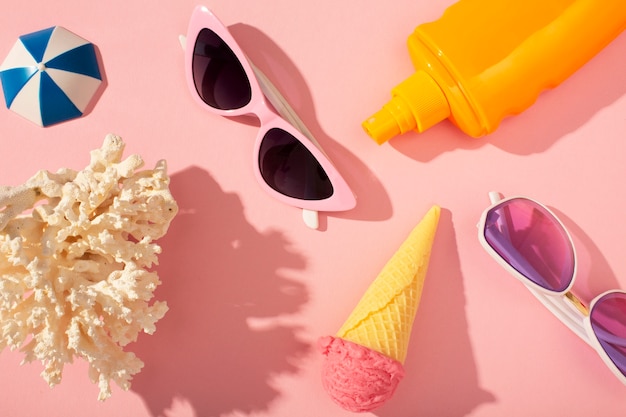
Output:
(495, 197)
(281, 105)
(565, 311)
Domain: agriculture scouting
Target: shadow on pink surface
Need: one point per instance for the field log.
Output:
(373, 202)
(218, 272)
(557, 112)
(441, 375)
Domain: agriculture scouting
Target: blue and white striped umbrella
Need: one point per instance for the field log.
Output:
(50, 76)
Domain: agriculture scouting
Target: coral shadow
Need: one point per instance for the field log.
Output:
(373, 202)
(441, 375)
(219, 274)
(557, 112)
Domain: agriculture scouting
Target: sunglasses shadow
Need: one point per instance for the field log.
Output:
(373, 203)
(207, 352)
(594, 275)
(441, 374)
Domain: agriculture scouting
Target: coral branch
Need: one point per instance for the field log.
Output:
(75, 248)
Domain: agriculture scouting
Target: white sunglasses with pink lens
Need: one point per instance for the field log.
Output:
(530, 242)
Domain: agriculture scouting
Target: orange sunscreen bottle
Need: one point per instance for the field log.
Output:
(486, 59)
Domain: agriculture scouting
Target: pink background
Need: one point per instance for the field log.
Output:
(251, 288)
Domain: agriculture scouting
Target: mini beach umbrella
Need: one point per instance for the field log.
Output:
(50, 76)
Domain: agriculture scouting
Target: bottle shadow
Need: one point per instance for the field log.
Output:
(373, 202)
(220, 278)
(441, 376)
(557, 112)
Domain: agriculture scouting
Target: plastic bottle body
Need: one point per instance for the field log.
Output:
(492, 58)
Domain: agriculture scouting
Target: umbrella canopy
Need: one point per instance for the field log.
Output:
(50, 76)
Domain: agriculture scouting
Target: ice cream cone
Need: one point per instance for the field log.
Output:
(383, 318)
(364, 361)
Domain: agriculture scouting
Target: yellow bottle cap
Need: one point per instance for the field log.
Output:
(416, 104)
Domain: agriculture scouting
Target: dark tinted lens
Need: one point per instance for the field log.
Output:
(608, 320)
(289, 167)
(217, 73)
(532, 241)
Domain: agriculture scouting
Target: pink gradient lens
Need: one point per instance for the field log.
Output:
(608, 320)
(530, 239)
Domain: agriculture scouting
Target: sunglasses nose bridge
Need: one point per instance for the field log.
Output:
(263, 111)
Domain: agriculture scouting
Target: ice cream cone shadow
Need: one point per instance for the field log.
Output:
(441, 376)
(219, 274)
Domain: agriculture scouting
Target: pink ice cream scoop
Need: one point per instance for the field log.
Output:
(358, 378)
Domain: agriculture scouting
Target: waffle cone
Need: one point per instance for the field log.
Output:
(383, 318)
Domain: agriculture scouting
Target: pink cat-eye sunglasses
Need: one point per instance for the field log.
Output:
(288, 162)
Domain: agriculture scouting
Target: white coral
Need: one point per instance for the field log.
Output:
(75, 253)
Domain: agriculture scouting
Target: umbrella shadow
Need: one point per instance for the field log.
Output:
(373, 203)
(219, 274)
(441, 375)
(557, 112)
